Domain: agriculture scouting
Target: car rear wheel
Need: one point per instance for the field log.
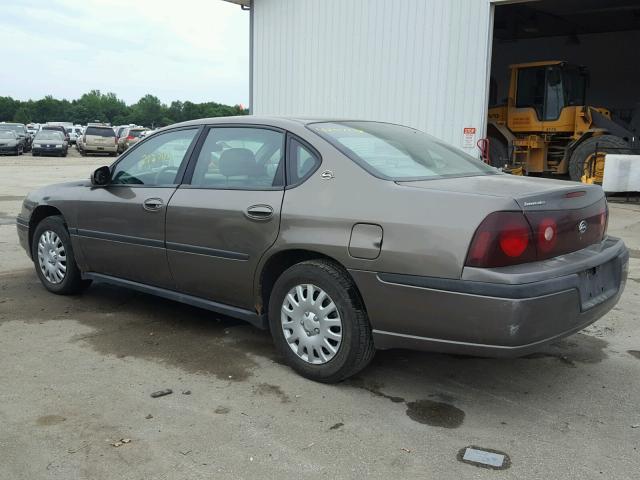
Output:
(53, 257)
(318, 322)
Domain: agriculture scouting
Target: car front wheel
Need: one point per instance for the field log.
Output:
(53, 257)
(319, 323)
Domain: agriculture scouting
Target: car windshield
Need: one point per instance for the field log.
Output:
(7, 134)
(100, 131)
(49, 135)
(13, 128)
(394, 152)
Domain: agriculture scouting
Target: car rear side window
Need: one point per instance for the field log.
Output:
(242, 158)
(100, 132)
(156, 161)
(395, 152)
(302, 161)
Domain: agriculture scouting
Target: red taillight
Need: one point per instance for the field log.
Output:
(509, 238)
(130, 137)
(514, 240)
(503, 238)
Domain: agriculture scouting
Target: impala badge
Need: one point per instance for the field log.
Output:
(327, 175)
(582, 227)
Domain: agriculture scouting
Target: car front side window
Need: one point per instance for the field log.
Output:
(155, 162)
(240, 158)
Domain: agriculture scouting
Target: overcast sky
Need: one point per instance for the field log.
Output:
(193, 50)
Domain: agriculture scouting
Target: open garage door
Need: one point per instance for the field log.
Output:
(565, 76)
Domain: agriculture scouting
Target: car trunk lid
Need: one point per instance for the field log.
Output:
(564, 216)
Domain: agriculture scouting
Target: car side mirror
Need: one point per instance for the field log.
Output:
(100, 177)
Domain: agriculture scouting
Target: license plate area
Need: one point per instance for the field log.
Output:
(598, 284)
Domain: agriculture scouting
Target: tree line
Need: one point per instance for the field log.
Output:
(107, 107)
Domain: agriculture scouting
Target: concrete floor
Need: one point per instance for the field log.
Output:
(76, 374)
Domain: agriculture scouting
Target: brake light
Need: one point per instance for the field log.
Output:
(503, 238)
(130, 137)
(514, 240)
(510, 238)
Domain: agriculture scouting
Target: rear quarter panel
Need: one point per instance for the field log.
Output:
(425, 232)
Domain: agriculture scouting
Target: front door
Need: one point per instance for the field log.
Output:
(227, 214)
(121, 226)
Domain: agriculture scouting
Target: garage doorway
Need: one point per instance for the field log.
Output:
(597, 37)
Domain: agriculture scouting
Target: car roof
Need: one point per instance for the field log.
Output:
(275, 121)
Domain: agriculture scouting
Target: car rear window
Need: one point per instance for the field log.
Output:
(100, 131)
(135, 133)
(395, 152)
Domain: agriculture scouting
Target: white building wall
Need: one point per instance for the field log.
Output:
(422, 63)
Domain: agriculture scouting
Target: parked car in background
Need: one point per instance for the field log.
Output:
(119, 129)
(129, 137)
(57, 128)
(257, 218)
(10, 143)
(98, 138)
(50, 142)
(21, 132)
(146, 133)
(73, 136)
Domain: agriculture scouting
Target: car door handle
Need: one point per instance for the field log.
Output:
(152, 204)
(259, 212)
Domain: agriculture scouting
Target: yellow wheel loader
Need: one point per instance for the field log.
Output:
(546, 127)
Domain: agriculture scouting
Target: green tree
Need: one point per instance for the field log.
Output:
(97, 106)
(8, 108)
(22, 115)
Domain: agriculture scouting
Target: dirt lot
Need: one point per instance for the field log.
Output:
(77, 373)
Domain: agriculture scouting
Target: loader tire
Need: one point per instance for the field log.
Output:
(498, 152)
(606, 144)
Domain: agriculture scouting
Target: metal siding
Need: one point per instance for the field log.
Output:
(417, 62)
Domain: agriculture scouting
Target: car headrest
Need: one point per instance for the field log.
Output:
(236, 162)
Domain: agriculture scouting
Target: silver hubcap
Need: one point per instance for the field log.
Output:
(311, 324)
(52, 257)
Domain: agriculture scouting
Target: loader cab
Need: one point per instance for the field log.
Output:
(548, 88)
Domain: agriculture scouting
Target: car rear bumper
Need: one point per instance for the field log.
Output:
(100, 148)
(494, 318)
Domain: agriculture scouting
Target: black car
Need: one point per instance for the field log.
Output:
(10, 144)
(49, 142)
(58, 128)
(21, 132)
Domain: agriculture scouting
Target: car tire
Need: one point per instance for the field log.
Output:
(49, 234)
(355, 348)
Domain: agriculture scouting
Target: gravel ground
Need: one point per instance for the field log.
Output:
(77, 374)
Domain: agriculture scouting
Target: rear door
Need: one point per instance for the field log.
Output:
(227, 214)
(121, 226)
